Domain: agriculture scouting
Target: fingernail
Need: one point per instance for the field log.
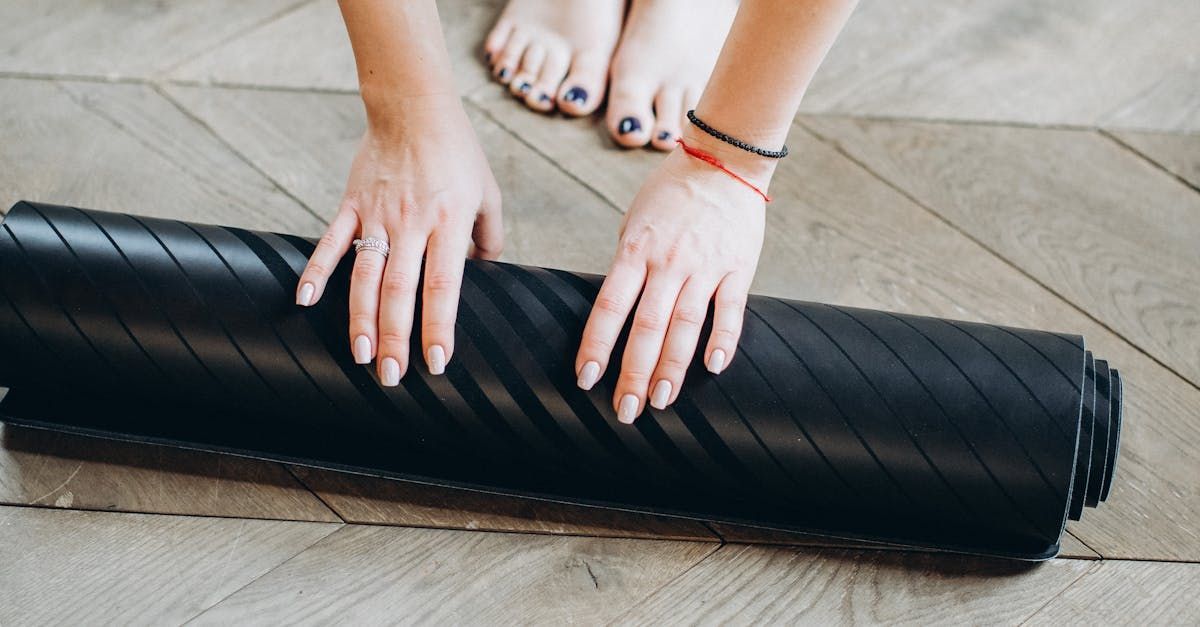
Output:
(716, 361)
(503, 73)
(664, 136)
(662, 394)
(362, 350)
(588, 375)
(576, 94)
(524, 87)
(627, 412)
(391, 372)
(436, 358)
(306, 294)
(629, 125)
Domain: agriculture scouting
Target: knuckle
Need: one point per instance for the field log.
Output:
(394, 338)
(649, 321)
(440, 282)
(724, 337)
(316, 268)
(688, 317)
(367, 266)
(733, 302)
(395, 283)
(362, 320)
(609, 304)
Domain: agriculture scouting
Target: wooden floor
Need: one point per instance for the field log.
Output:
(1010, 161)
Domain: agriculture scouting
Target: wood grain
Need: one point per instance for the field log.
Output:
(123, 147)
(1178, 153)
(424, 576)
(59, 470)
(119, 38)
(308, 49)
(1083, 215)
(1128, 593)
(836, 233)
(1016, 60)
(757, 585)
(372, 500)
(67, 567)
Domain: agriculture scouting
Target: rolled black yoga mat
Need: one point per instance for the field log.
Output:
(845, 422)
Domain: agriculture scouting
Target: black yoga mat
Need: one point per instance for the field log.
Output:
(832, 420)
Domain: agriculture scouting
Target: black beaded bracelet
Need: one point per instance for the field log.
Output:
(733, 141)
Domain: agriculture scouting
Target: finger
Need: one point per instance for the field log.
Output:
(728, 310)
(397, 300)
(645, 344)
(488, 233)
(325, 257)
(612, 306)
(683, 335)
(364, 297)
(439, 297)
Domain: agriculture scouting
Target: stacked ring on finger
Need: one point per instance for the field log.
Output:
(372, 244)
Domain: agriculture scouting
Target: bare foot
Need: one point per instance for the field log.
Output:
(667, 52)
(552, 52)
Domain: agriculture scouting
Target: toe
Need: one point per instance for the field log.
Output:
(583, 88)
(541, 96)
(493, 45)
(630, 119)
(527, 73)
(668, 111)
(509, 61)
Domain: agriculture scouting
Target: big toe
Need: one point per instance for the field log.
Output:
(630, 115)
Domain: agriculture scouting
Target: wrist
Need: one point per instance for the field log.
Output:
(395, 110)
(756, 169)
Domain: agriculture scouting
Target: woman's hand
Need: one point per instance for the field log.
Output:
(420, 182)
(693, 233)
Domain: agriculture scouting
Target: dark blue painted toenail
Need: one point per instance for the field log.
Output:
(544, 97)
(576, 94)
(524, 87)
(504, 73)
(629, 125)
(664, 136)
(487, 57)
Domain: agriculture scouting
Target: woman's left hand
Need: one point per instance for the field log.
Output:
(692, 234)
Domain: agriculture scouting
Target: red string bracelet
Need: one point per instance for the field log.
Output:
(716, 163)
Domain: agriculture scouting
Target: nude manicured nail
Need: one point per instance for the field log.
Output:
(627, 411)
(716, 361)
(588, 375)
(436, 358)
(390, 372)
(362, 350)
(306, 294)
(662, 394)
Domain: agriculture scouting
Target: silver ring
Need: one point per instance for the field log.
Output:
(372, 244)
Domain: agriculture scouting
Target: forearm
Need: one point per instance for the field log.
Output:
(770, 56)
(400, 52)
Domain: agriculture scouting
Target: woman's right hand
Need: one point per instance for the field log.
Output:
(420, 182)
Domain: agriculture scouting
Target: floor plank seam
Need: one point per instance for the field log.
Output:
(132, 512)
(1074, 581)
(1147, 158)
(938, 216)
(239, 33)
(242, 157)
(313, 492)
(287, 89)
(469, 102)
(265, 573)
(619, 619)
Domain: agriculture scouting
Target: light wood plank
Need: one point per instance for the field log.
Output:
(66, 567)
(838, 234)
(58, 470)
(1016, 60)
(306, 142)
(120, 38)
(370, 500)
(758, 585)
(1128, 593)
(308, 48)
(1178, 153)
(1112, 234)
(124, 148)
(1072, 547)
(423, 576)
